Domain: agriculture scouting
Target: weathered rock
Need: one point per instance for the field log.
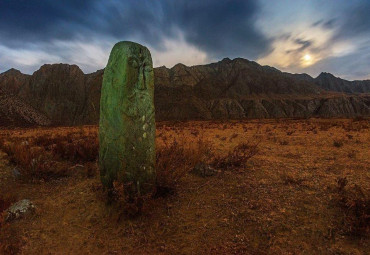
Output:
(127, 123)
(59, 92)
(12, 81)
(329, 82)
(15, 112)
(229, 89)
(16, 173)
(19, 209)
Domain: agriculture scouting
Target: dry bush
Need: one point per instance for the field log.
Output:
(44, 141)
(290, 132)
(30, 161)
(283, 142)
(351, 154)
(82, 150)
(235, 135)
(354, 202)
(338, 143)
(291, 179)
(175, 159)
(350, 137)
(358, 118)
(238, 157)
(33, 162)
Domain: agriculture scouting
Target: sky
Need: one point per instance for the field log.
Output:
(298, 36)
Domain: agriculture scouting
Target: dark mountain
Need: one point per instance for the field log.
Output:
(58, 91)
(229, 89)
(12, 81)
(329, 82)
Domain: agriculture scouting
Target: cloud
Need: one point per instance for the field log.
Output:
(190, 31)
(355, 21)
(325, 23)
(174, 49)
(211, 28)
(354, 66)
(326, 36)
(25, 59)
(305, 44)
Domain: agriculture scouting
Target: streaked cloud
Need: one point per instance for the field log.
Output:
(292, 35)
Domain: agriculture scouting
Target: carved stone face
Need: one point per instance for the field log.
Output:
(127, 125)
(135, 85)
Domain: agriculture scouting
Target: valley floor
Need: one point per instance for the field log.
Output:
(288, 199)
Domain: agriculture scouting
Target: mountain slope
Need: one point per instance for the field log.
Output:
(12, 81)
(229, 89)
(329, 82)
(14, 112)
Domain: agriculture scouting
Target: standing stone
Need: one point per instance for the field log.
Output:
(127, 123)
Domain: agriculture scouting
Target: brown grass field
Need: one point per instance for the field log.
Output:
(289, 187)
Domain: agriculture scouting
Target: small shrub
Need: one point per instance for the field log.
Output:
(358, 118)
(32, 162)
(81, 150)
(350, 137)
(290, 132)
(337, 143)
(237, 157)
(176, 159)
(283, 142)
(352, 154)
(173, 161)
(355, 205)
(290, 179)
(235, 135)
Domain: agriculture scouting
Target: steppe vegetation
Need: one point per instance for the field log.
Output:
(279, 186)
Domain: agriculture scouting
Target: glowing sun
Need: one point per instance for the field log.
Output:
(307, 60)
(307, 57)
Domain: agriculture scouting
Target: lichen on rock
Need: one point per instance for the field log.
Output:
(127, 124)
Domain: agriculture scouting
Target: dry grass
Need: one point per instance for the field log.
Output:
(355, 205)
(276, 191)
(175, 159)
(238, 157)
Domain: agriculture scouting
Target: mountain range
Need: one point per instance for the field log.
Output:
(61, 94)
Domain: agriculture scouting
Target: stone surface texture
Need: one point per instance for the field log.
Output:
(127, 123)
(19, 209)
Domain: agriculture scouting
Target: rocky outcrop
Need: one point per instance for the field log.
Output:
(59, 92)
(19, 210)
(329, 82)
(233, 79)
(14, 112)
(12, 81)
(229, 89)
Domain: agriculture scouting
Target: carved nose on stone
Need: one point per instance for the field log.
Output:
(142, 82)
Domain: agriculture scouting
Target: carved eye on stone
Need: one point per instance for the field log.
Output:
(147, 67)
(133, 62)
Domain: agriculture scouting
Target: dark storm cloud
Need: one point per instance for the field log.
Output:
(325, 23)
(356, 21)
(219, 27)
(223, 28)
(330, 23)
(304, 44)
(24, 21)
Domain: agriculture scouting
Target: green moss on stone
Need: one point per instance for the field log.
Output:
(127, 123)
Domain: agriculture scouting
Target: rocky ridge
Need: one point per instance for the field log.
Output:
(62, 94)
